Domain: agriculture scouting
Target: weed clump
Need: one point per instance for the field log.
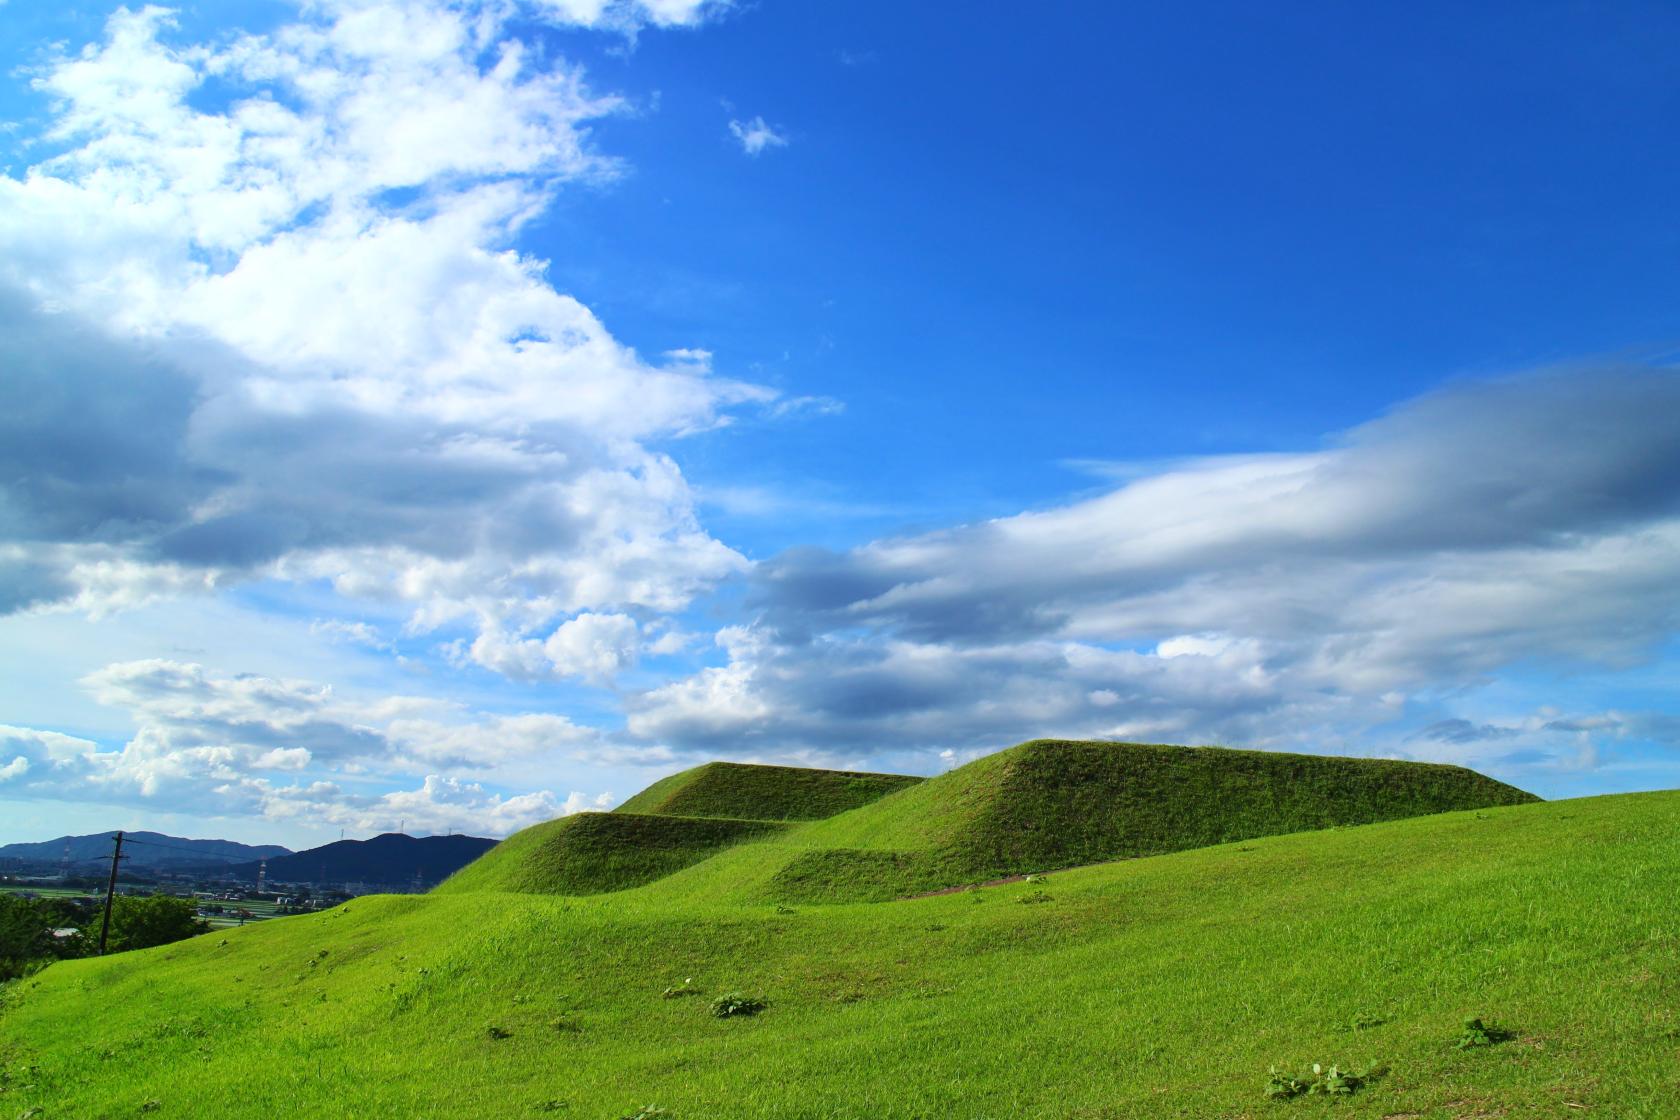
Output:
(734, 1003)
(1477, 1033)
(1332, 1082)
(647, 1112)
(498, 1032)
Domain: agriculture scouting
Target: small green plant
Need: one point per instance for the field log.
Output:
(1281, 1086)
(1336, 1081)
(1478, 1033)
(564, 1025)
(1331, 1082)
(1036, 896)
(498, 1032)
(734, 1003)
(647, 1112)
(686, 988)
(1036, 879)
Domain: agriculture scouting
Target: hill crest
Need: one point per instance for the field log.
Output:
(1042, 805)
(756, 791)
(1052, 803)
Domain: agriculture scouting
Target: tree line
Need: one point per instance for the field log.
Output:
(29, 941)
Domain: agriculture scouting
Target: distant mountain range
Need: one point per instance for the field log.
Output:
(389, 860)
(144, 849)
(393, 859)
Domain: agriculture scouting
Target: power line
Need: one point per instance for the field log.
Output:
(178, 848)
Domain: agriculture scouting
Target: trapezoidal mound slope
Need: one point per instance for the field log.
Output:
(592, 853)
(1050, 804)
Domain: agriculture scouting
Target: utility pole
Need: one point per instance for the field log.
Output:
(110, 890)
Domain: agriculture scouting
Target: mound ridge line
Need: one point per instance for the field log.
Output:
(1040, 806)
(752, 791)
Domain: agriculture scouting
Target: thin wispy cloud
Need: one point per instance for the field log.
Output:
(1295, 601)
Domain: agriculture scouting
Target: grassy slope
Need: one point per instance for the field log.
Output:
(774, 793)
(1042, 805)
(1160, 987)
(588, 853)
(1049, 804)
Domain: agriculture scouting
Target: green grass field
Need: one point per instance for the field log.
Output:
(53, 892)
(1165, 986)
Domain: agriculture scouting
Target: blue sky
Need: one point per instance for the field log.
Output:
(460, 414)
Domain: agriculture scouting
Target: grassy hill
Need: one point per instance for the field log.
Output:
(1039, 806)
(1158, 987)
(588, 853)
(771, 793)
(1051, 803)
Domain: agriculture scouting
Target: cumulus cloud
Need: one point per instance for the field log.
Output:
(754, 136)
(439, 803)
(1281, 600)
(288, 337)
(279, 748)
(593, 646)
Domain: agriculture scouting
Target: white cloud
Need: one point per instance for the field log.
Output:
(438, 804)
(309, 301)
(808, 406)
(755, 136)
(1193, 645)
(222, 742)
(629, 15)
(582, 802)
(593, 646)
(1307, 601)
(355, 633)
